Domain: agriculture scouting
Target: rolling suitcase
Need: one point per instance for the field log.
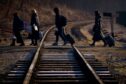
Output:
(70, 39)
(109, 40)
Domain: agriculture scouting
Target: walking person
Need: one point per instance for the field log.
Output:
(60, 22)
(97, 32)
(35, 27)
(17, 27)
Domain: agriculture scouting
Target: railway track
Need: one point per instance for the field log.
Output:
(59, 65)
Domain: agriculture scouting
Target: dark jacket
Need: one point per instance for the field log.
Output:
(17, 24)
(60, 21)
(97, 19)
(57, 21)
(34, 20)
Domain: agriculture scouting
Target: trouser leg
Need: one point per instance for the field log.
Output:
(62, 35)
(19, 37)
(32, 41)
(13, 42)
(57, 36)
(35, 43)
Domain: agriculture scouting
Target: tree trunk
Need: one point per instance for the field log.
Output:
(21, 5)
(8, 8)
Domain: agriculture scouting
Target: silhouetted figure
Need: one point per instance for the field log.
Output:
(97, 18)
(60, 22)
(35, 27)
(17, 27)
(97, 33)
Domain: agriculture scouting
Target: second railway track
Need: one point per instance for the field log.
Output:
(64, 64)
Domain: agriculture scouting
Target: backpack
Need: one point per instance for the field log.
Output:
(63, 21)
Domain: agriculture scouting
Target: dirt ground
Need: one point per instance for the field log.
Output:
(9, 55)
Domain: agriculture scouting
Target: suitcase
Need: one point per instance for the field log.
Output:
(109, 40)
(70, 39)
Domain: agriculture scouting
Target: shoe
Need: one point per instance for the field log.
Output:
(65, 43)
(31, 44)
(54, 44)
(35, 44)
(22, 44)
(12, 44)
(91, 44)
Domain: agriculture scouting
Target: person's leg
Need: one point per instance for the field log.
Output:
(32, 35)
(21, 40)
(63, 37)
(35, 42)
(32, 41)
(57, 38)
(36, 37)
(13, 42)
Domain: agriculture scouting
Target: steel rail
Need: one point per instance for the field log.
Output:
(91, 70)
(34, 61)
